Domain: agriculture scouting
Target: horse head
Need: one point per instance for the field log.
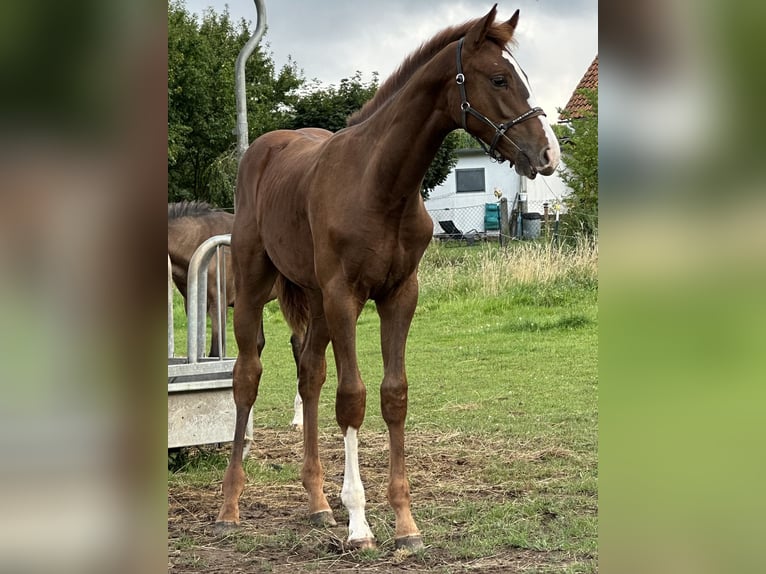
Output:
(496, 102)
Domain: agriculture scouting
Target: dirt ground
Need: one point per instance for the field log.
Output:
(275, 535)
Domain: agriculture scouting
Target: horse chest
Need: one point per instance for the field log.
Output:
(389, 268)
(386, 267)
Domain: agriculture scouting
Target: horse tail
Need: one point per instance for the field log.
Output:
(294, 305)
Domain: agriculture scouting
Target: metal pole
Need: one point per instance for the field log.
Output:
(197, 295)
(239, 77)
(171, 331)
(220, 304)
(240, 90)
(522, 205)
(224, 295)
(505, 227)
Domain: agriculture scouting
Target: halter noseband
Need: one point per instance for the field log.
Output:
(500, 129)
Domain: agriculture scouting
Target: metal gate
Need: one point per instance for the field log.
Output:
(200, 404)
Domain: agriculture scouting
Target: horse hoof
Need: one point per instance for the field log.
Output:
(322, 519)
(412, 542)
(296, 428)
(361, 544)
(224, 527)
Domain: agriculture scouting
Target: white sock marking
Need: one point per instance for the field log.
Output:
(352, 493)
(298, 410)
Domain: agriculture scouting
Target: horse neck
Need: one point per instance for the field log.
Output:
(405, 134)
(186, 234)
(180, 251)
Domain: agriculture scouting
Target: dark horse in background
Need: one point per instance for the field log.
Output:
(190, 223)
(338, 219)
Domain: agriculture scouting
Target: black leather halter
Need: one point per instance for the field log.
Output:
(500, 129)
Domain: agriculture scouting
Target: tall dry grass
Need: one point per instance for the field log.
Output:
(488, 270)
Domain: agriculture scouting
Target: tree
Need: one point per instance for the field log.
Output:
(201, 106)
(442, 164)
(579, 154)
(329, 107)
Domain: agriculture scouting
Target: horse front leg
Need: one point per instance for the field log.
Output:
(396, 314)
(246, 379)
(248, 330)
(342, 314)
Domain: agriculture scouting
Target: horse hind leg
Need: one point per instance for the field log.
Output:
(312, 374)
(297, 423)
(296, 342)
(215, 328)
(260, 344)
(248, 314)
(217, 311)
(295, 308)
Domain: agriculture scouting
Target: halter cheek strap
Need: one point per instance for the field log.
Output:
(500, 129)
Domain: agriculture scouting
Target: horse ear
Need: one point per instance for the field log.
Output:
(513, 22)
(475, 36)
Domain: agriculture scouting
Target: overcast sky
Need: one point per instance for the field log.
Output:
(332, 39)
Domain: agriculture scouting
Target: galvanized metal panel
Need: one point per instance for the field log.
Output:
(222, 368)
(203, 413)
(201, 407)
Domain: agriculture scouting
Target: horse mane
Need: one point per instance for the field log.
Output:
(189, 209)
(497, 33)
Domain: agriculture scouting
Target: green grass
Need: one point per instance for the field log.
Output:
(201, 467)
(502, 361)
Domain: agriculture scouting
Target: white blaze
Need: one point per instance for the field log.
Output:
(553, 142)
(352, 493)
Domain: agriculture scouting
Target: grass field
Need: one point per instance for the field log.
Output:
(502, 431)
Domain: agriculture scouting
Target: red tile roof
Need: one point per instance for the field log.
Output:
(577, 104)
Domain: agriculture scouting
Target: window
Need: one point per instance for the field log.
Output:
(469, 180)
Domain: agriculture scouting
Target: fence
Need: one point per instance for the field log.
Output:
(518, 220)
(467, 220)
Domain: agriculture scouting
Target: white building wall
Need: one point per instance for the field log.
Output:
(468, 207)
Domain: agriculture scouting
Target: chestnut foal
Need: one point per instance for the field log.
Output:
(339, 219)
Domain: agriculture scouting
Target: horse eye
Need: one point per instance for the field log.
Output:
(499, 81)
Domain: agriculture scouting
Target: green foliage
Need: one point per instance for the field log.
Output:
(329, 107)
(201, 101)
(442, 164)
(579, 150)
(466, 140)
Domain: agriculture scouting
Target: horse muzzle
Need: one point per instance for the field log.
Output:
(545, 163)
(549, 161)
